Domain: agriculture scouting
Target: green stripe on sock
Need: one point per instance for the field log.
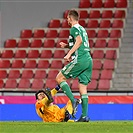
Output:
(63, 83)
(84, 96)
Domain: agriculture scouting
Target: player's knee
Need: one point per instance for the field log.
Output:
(59, 78)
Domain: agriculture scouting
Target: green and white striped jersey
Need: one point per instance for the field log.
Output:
(84, 47)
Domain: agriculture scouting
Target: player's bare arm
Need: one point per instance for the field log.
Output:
(74, 48)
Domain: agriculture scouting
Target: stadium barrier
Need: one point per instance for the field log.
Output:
(22, 108)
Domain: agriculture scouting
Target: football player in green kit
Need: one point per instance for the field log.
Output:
(79, 66)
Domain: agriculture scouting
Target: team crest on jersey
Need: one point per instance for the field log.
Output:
(76, 33)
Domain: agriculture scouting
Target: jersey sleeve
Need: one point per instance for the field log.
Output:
(74, 32)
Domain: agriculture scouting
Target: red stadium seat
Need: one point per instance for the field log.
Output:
(121, 3)
(95, 74)
(115, 33)
(39, 33)
(65, 24)
(14, 74)
(96, 3)
(117, 24)
(84, 4)
(46, 54)
(82, 22)
(107, 14)
(50, 83)
(56, 64)
(11, 84)
(40, 74)
(30, 64)
(105, 23)
(51, 33)
(94, 14)
(102, 34)
(37, 84)
(26, 33)
(36, 43)
(97, 64)
(113, 43)
(7, 54)
(1, 83)
(3, 74)
(43, 64)
(92, 85)
(91, 33)
(108, 64)
(59, 54)
(100, 43)
(10, 43)
(75, 84)
(119, 14)
(92, 24)
(65, 14)
(27, 74)
(4, 63)
(33, 54)
(111, 54)
(52, 74)
(49, 43)
(98, 54)
(24, 84)
(109, 4)
(83, 14)
(20, 54)
(106, 74)
(23, 43)
(63, 33)
(104, 85)
(17, 64)
(91, 43)
(54, 23)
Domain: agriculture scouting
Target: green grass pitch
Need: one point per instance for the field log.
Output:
(68, 127)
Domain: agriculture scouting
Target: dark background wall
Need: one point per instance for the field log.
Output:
(16, 15)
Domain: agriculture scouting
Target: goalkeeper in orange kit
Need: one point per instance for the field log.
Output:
(48, 111)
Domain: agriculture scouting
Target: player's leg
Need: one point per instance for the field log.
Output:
(84, 79)
(84, 103)
(61, 78)
(69, 107)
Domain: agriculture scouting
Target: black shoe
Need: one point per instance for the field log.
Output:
(49, 96)
(67, 116)
(75, 107)
(83, 119)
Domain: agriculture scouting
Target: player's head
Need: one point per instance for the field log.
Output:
(72, 16)
(40, 94)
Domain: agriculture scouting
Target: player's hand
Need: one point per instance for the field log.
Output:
(67, 58)
(63, 45)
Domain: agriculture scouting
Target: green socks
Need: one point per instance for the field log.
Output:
(65, 87)
(84, 105)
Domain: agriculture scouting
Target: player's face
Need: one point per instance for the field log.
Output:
(41, 96)
(69, 20)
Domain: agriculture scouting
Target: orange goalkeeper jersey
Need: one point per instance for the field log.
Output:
(51, 112)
